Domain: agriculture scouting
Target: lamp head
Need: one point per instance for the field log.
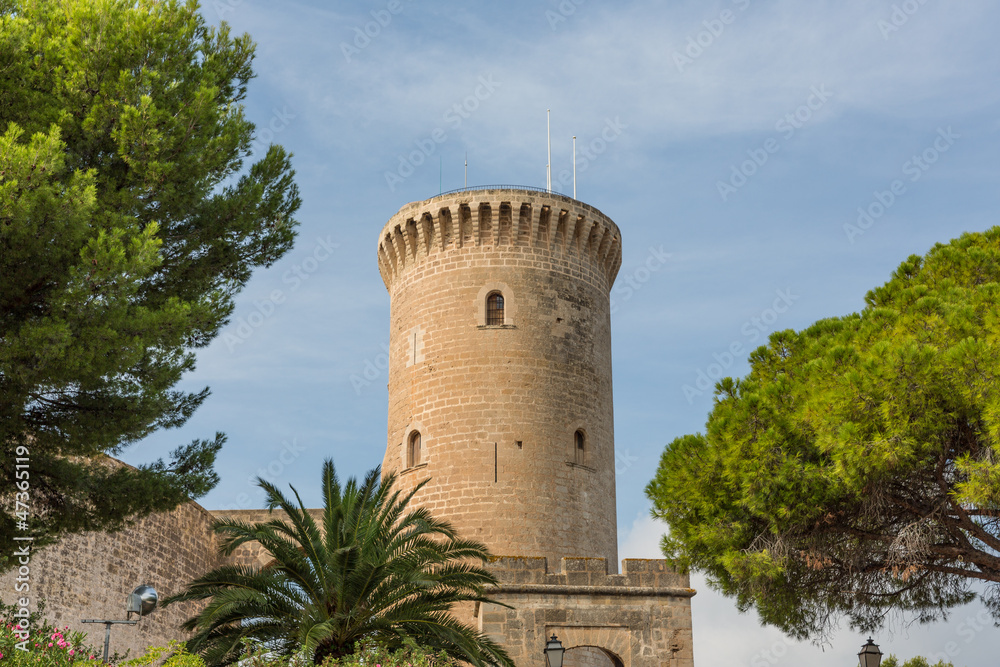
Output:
(141, 601)
(554, 652)
(870, 656)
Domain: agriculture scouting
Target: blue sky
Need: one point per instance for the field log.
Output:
(730, 141)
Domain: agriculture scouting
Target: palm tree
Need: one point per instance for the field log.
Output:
(377, 570)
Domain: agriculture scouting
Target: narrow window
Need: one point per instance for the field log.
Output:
(413, 450)
(494, 308)
(580, 450)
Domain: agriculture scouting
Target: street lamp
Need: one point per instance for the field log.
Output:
(870, 656)
(554, 653)
(141, 601)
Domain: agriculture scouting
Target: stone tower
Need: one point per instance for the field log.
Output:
(500, 395)
(500, 367)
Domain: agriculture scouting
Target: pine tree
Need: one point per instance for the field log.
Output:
(128, 221)
(856, 469)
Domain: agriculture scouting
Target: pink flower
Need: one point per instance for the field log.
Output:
(71, 652)
(50, 644)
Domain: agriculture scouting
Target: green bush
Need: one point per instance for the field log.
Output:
(370, 655)
(50, 646)
(179, 657)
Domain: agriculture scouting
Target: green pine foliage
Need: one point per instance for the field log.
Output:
(130, 215)
(371, 570)
(855, 471)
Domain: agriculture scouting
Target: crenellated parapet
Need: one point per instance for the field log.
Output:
(507, 220)
(639, 618)
(639, 576)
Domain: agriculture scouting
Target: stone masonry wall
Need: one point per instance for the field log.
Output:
(497, 406)
(640, 618)
(89, 575)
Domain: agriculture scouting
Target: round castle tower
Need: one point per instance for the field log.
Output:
(500, 367)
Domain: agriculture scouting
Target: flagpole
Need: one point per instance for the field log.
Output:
(548, 136)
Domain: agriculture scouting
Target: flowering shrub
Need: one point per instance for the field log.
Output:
(47, 645)
(408, 656)
(50, 646)
(370, 655)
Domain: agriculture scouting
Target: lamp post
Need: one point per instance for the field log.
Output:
(870, 656)
(141, 601)
(554, 652)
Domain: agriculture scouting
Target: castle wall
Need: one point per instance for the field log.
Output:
(640, 618)
(89, 575)
(497, 406)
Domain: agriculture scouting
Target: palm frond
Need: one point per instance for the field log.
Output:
(373, 568)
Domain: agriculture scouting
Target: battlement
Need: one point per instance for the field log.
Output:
(533, 222)
(639, 618)
(590, 575)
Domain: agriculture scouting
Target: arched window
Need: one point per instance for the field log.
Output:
(413, 450)
(494, 308)
(580, 448)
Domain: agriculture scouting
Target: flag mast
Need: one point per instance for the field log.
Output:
(548, 136)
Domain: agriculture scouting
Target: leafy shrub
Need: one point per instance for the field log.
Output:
(178, 657)
(370, 655)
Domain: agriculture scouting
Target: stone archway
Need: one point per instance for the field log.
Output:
(594, 646)
(591, 656)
